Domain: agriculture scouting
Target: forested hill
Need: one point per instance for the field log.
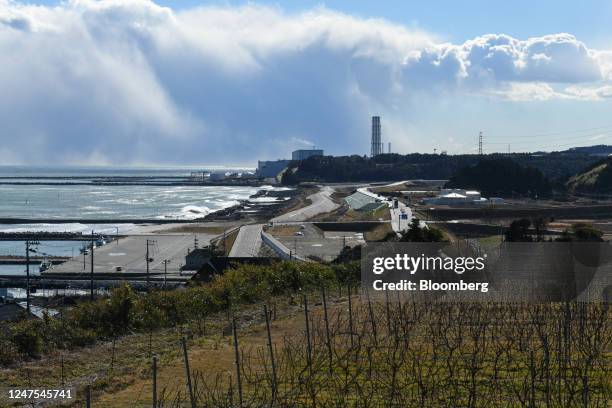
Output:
(596, 179)
(502, 177)
(394, 167)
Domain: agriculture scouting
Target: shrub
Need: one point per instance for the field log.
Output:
(125, 311)
(27, 336)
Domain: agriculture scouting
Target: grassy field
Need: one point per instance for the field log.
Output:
(379, 233)
(283, 230)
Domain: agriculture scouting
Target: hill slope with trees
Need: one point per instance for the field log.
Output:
(596, 179)
(502, 177)
(557, 166)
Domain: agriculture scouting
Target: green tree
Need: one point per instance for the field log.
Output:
(416, 233)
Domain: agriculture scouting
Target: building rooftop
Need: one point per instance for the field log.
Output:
(358, 200)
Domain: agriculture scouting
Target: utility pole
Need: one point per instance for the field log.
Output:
(166, 262)
(224, 244)
(28, 276)
(149, 242)
(480, 144)
(91, 273)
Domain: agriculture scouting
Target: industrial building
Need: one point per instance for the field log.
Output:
(303, 154)
(217, 176)
(271, 168)
(364, 202)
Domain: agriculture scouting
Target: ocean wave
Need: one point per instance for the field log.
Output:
(194, 211)
(264, 200)
(68, 227)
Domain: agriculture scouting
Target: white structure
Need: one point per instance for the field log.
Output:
(456, 197)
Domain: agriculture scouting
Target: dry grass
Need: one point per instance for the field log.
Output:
(586, 179)
(125, 379)
(226, 243)
(379, 233)
(283, 230)
(380, 214)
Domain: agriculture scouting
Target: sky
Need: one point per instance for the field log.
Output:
(136, 82)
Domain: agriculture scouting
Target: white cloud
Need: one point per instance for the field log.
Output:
(592, 93)
(119, 81)
(529, 91)
(497, 57)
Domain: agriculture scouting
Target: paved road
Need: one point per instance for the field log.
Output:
(397, 223)
(321, 203)
(248, 241)
(325, 245)
(129, 254)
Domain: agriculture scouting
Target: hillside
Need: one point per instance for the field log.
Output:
(502, 177)
(596, 179)
(395, 167)
(597, 150)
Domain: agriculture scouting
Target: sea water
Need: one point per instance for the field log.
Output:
(62, 198)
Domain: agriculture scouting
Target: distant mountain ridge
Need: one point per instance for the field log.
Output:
(596, 150)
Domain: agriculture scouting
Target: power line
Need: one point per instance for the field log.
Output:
(555, 133)
(604, 135)
(555, 148)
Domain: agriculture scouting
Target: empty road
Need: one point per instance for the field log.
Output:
(248, 241)
(129, 255)
(321, 203)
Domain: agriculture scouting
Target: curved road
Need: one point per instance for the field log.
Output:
(321, 203)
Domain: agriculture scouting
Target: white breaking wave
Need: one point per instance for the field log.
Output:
(68, 227)
(194, 211)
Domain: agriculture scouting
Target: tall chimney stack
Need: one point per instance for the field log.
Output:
(376, 143)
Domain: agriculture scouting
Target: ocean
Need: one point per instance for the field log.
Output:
(104, 201)
(59, 199)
